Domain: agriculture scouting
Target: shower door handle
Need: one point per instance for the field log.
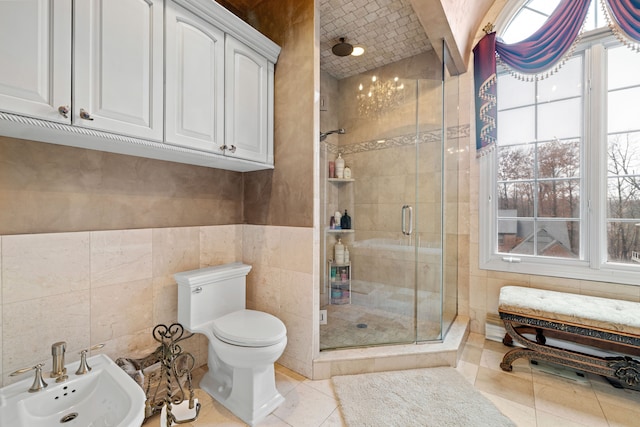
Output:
(405, 209)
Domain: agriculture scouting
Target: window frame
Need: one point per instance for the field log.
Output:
(593, 204)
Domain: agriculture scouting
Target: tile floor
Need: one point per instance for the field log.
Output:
(529, 396)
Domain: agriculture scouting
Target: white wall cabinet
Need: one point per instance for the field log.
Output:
(118, 62)
(35, 49)
(247, 103)
(194, 81)
(91, 74)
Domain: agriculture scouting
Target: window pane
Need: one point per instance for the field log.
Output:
(507, 234)
(560, 120)
(566, 83)
(515, 162)
(624, 110)
(623, 67)
(507, 84)
(624, 197)
(624, 154)
(558, 239)
(519, 243)
(559, 159)
(594, 17)
(525, 23)
(516, 126)
(623, 239)
(516, 197)
(623, 184)
(559, 199)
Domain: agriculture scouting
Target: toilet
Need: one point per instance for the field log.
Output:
(243, 344)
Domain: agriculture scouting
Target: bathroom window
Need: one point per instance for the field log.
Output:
(563, 184)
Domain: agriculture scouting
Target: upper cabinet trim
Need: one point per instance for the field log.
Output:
(220, 17)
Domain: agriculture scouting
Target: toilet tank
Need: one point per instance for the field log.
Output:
(208, 293)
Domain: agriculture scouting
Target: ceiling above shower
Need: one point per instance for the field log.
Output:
(388, 30)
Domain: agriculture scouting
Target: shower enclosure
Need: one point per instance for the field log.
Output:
(400, 141)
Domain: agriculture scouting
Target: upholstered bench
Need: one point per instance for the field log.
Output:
(590, 322)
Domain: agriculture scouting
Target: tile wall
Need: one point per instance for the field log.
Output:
(113, 287)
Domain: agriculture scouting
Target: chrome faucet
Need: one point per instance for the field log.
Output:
(59, 372)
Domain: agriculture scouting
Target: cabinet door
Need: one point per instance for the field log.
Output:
(118, 66)
(247, 102)
(35, 50)
(194, 92)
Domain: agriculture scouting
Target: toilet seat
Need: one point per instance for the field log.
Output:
(249, 328)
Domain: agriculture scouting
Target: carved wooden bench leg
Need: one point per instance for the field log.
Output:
(507, 340)
(540, 338)
(511, 355)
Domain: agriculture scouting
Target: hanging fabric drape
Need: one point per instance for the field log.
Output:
(623, 17)
(537, 54)
(627, 16)
(484, 76)
(550, 43)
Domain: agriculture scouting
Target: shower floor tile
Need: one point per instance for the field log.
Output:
(354, 326)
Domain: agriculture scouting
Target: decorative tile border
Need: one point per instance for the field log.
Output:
(454, 132)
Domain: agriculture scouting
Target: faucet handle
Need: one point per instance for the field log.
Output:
(84, 368)
(38, 382)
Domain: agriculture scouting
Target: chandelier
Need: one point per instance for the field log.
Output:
(380, 97)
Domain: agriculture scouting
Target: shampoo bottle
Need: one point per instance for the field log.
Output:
(338, 252)
(339, 166)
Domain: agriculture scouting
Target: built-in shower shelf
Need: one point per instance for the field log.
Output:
(340, 179)
(340, 230)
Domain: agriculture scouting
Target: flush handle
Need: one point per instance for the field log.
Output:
(197, 290)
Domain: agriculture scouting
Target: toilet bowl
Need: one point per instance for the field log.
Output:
(243, 344)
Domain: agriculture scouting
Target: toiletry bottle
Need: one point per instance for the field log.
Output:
(332, 223)
(346, 255)
(345, 221)
(339, 166)
(336, 219)
(347, 172)
(338, 252)
(332, 169)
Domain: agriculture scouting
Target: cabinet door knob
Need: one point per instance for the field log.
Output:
(223, 147)
(232, 148)
(64, 111)
(85, 115)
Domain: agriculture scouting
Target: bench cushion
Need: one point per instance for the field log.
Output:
(605, 314)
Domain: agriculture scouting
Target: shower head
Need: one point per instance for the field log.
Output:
(343, 48)
(323, 135)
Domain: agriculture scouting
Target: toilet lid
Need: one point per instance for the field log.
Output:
(249, 328)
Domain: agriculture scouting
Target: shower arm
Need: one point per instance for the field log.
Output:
(323, 135)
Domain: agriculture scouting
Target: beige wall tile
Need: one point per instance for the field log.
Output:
(263, 289)
(135, 345)
(175, 250)
(30, 327)
(261, 245)
(121, 309)
(296, 249)
(41, 265)
(220, 244)
(120, 256)
(165, 300)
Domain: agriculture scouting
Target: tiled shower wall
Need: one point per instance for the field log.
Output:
(114, 286)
